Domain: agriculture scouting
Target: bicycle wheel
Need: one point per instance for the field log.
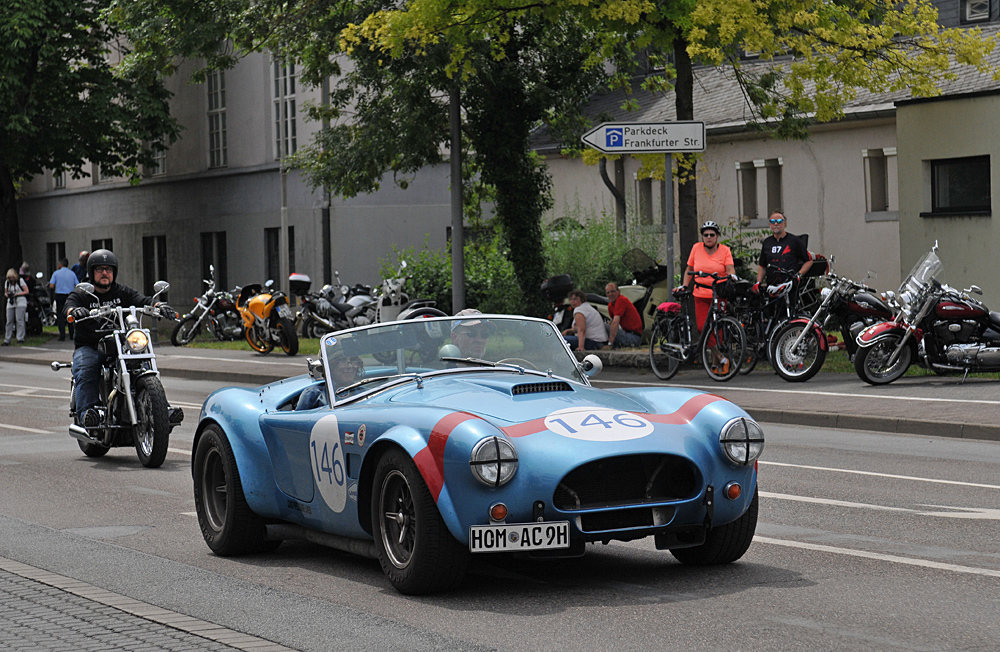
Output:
(752, 354)
(664, 359)
(731, 345)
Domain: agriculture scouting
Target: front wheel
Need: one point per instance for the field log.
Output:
(723, 349)
(414, 547)
(288, 340)
(152, 432)
(665, 344)
(261, 343)
(872, 362)
(798, 364)
(226, 520)
(185, 331)
(724, 544)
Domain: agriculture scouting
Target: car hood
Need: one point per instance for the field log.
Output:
(511, 398)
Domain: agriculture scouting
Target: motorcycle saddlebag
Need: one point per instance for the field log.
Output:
(299, 284)
(820, 265)
(557, 287)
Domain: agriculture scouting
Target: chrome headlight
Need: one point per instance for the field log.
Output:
(825, 292)
(137, 340)
(494, 461)
(742, 440)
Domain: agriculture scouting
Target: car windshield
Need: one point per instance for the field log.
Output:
(375, 355)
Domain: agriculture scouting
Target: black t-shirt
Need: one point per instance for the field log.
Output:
(85, 333)
(789, 253)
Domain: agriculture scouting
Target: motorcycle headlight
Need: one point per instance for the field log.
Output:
(742, 440)
(825, 292)
(137, 340)
(493, 461)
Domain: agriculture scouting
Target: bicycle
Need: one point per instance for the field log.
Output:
(762, 315)
(674, 339)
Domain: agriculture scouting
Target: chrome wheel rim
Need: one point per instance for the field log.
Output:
(397, 519)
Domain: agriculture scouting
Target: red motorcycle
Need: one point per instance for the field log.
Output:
(937, 326)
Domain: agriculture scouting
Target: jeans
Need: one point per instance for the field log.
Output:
(625, 339)
(588, 344)
(87, 376)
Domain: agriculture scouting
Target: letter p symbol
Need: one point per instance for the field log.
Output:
(614, 137)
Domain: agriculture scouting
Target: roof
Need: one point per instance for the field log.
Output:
(719, 101)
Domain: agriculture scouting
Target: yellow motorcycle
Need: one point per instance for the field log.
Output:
(267, 319)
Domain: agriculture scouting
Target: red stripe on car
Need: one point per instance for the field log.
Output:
(430, 460)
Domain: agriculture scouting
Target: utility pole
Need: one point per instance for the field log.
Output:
(283, 270)
(325, 210)
(457, 224)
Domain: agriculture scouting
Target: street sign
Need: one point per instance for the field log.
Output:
(647, 137)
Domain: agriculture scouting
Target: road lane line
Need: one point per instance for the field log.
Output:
(884, 475)
(835, 503)
(983, 513)
(878, 556)
(715, 388)
(31, 430)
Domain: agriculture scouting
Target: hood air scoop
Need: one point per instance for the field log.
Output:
(535, 388)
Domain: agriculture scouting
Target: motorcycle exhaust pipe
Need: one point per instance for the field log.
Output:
(79, 432)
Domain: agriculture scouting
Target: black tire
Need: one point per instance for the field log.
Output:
(185, 331)
(152, 432)
(227, 523)
(752, 354)
(750, 357)
(870, 361)
(313, 330)
(288, 340)
(731, 343)
(665, 361)
(724, 544)
(802, 364)
(414, 547)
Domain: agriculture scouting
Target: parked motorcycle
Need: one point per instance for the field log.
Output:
(39, 311)
(801, 345)
(267, 319)
(133, 407)
(214, 310)
(394, 304)
(937, 326)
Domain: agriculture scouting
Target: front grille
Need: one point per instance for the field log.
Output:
(533, 388)
(626, 480)
(621, 519)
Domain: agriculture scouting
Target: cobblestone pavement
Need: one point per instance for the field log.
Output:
(45, 612)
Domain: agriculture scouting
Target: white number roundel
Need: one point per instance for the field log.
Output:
(326, 452)
(598, 424)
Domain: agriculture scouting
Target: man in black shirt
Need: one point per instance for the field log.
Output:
(782, 250)
(102, 268)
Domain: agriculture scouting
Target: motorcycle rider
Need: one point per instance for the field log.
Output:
(102, 269)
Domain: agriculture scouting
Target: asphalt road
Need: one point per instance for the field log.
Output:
(865, 541)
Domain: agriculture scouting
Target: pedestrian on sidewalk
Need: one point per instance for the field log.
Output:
(16, 293)
(62, 283)
(625, 329)
(587, 333)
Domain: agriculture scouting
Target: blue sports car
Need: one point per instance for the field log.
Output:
(425, 441)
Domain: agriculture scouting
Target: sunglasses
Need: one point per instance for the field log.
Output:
(476, 333)
(776, 221)
(712, 234)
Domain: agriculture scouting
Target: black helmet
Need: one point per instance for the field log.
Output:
(102, 257)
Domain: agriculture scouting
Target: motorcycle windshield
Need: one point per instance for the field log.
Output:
(927, 268)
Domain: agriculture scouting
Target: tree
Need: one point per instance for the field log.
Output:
(63, 102)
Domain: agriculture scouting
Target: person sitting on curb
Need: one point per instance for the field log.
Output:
(625, 329)
(587, 333)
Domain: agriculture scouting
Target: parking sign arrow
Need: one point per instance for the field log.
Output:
(646, 137)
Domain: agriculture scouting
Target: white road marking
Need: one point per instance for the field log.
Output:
(715, 388)
(959, 512)
(208, 357)
(885, 475)
(924, 563)
(31, 430)
(179, 451)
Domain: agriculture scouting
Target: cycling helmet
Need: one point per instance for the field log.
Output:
(710, 225)
(102, 257)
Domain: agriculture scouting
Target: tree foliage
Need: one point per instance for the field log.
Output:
(64, 102)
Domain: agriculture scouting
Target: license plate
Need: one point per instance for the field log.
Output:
(284, 311)
(519, 537)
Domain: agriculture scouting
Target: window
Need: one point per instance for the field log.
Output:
(159, 164)
(58, 180)
(747, 184)
(756, 180)
(881, 200)
(271, 252)
(960, 186)
(285, 137)
(975, 11)
(54, 252)
(213, 252)
(154, 263)
(217, 146)
(106, 243)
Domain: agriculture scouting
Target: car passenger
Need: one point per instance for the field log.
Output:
(470, 335)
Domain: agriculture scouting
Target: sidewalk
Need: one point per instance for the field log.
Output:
(934, 406)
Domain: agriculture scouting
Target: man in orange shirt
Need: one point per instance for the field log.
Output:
(625, 329)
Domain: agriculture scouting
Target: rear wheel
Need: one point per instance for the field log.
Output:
(227, 523)
(415, 549)
(152, 432)
(722, 359)
(288, 340)
(724, 544)
(872, 362)
(797, 364)
(185, 331)
(664, 358)
(312, 329)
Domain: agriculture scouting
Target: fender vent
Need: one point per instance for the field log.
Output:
(534, 388)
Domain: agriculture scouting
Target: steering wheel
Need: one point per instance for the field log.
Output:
(521, 362)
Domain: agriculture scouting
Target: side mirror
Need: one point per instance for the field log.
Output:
(85, 287)
(315, 368)
(39, 275)
(591, 365)
(160, 286)
(976, 289)
(211, 269)
(270, 283)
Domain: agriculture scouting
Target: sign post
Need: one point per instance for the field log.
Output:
(651, 138)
